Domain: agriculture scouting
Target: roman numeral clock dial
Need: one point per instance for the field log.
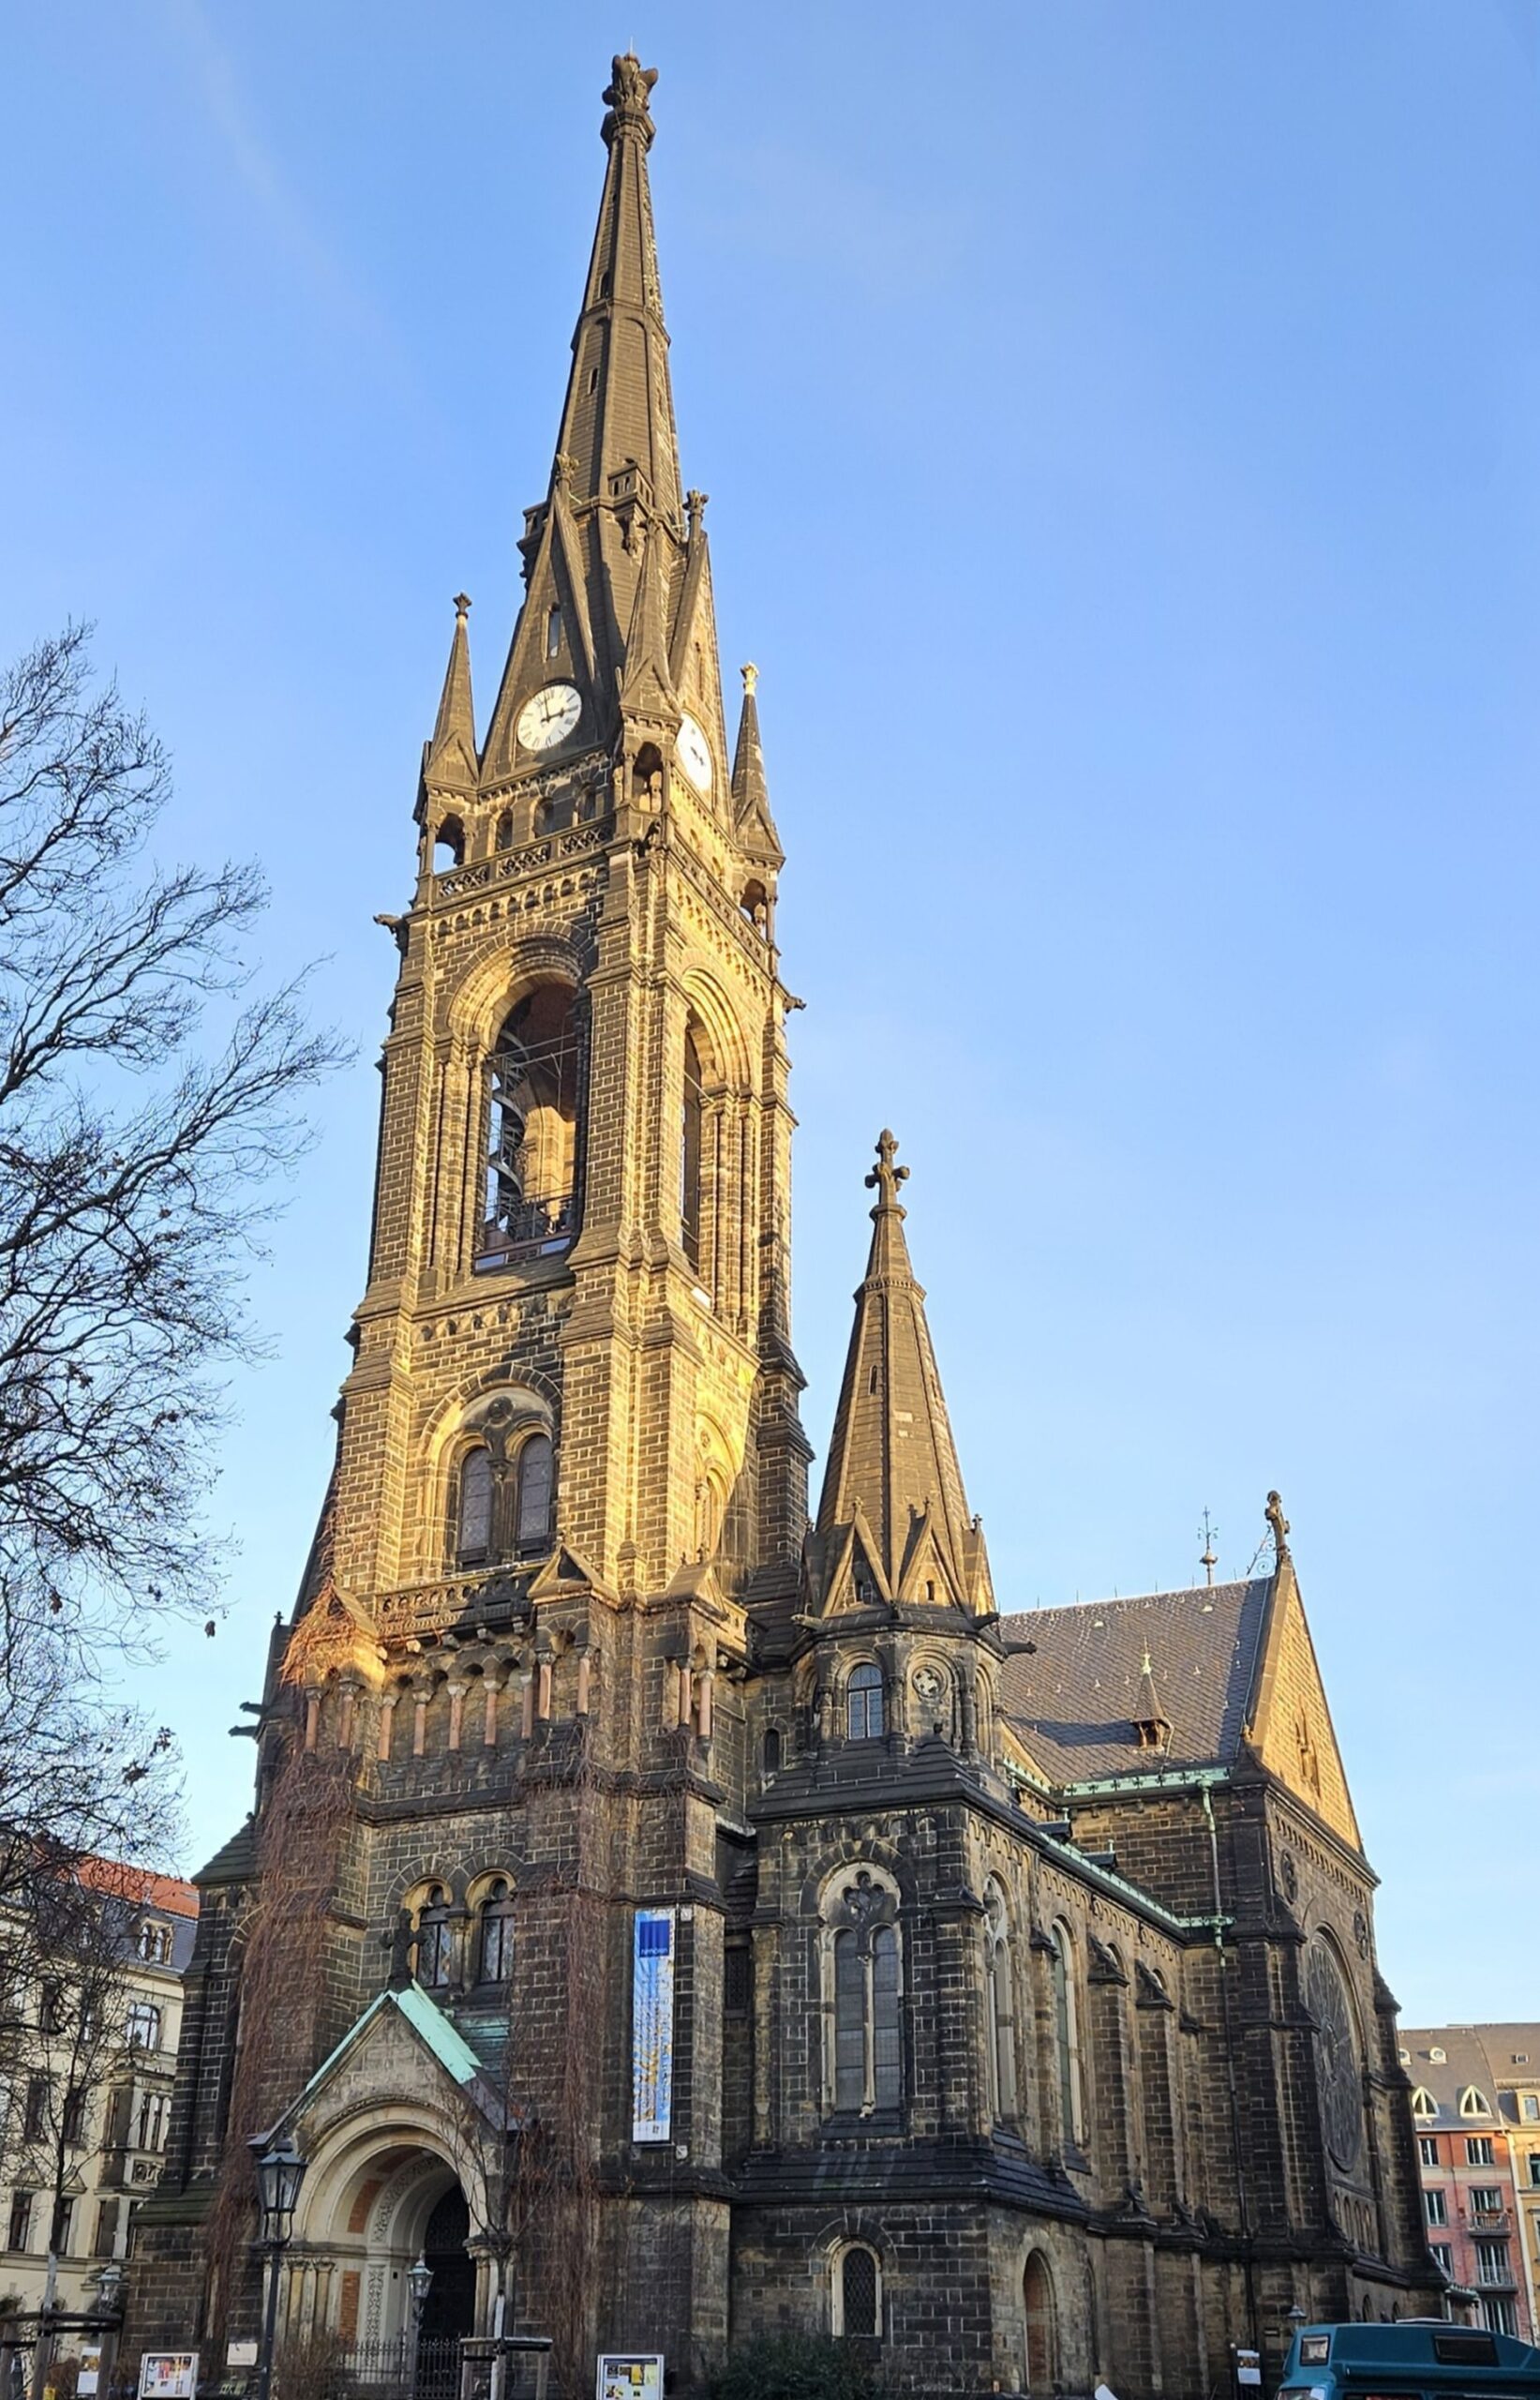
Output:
(549, 717)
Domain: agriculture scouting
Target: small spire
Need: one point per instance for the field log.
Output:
(452, 751)
(751, 820)
(1210, 1558)
(1151, 1725)
(893, 1481)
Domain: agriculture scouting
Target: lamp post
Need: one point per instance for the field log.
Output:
(280, 2171)
(419, 2283)
(109, 2284)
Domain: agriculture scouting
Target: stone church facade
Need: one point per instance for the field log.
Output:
(676, 1919)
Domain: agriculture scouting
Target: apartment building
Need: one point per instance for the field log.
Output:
(83, 2123)
(1475, 2110)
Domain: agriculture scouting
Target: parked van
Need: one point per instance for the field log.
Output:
(1422, 2358)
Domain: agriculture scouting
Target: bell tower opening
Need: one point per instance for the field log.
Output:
(533, 1103)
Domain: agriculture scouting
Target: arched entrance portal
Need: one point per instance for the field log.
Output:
(370, 2208)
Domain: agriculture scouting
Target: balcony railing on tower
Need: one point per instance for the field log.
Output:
(534, 1078)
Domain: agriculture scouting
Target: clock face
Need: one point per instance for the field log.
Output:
(695, 754)
(549, 717)
(1337, 2056)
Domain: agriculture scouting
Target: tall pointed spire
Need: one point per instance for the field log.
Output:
(893, 1519)
(620, 405)
(450, 755)
(615, 497)
(751, 820)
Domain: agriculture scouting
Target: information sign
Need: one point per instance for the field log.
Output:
(168, 2374)
(637, 2377)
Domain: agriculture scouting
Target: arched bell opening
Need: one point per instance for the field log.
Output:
(534, 1111)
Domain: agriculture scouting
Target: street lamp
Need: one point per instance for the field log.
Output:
(109, 2283)
(280, 2171)
(419, 2281)
(109, 2286)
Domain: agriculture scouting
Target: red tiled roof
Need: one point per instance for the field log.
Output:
(140, 1886)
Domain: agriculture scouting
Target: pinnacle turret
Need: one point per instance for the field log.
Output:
(751, 820)
(450, 758)
(892, 1522)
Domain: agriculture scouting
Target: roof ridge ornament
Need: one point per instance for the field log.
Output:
(1279, 1525)
(885, 1178)
(627, 95)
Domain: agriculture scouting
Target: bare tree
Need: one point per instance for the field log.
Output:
(139, 1152)
(80, 1778)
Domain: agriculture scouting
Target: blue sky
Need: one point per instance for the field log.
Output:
(1123, 431)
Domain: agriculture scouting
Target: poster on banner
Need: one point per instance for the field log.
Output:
(637, 2377)
(168, 2374)
(652, 2024)
(89, 2377)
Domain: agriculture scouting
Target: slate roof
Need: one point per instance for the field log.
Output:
(1075, 1702)
(1493, 2058)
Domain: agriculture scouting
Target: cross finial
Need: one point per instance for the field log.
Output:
(1210, 1558)
(885, 1177)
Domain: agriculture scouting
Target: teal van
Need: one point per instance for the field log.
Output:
(1420, 2359)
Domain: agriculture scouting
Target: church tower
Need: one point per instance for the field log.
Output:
(580, 1230)
(569, 1456)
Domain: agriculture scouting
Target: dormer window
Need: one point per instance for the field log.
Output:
(1423, 2103)
(155, 1943)
(1473, 2102)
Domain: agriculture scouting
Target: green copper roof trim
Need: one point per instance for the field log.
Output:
(1173, 1779)
(450, 2047)
(1133, 1895)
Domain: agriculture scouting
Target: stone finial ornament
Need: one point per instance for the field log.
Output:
(751, 679)
(885, 1178)
(627, 95)
(1279, 1524)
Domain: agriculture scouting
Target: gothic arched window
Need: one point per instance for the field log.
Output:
(536, 1486)
(495, 1934)
(473, 1536)
(690, 1147)
(534, 1105)
(1065, 2032)
(771, 1751)
(861, 1997)
(433, 1938)
(553, 632)
(857, 2294)
(1001, 2028)
(863, 1710)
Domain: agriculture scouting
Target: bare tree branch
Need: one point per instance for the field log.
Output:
(137, 1162)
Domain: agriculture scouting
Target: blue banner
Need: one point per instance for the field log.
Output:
(652, 2024)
